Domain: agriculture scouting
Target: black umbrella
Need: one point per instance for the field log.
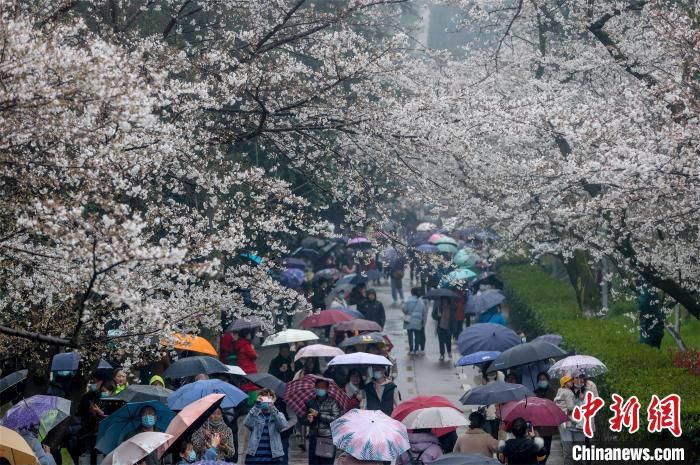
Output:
(440, 293)
(193, 366)
(495, 393)
(369, 338)
(66, 361)
(144, 393)
(488, 277)
(10, 385)
(291, 262)
(359, 278)
(104, 365)
(266, 380)
(250, 322)
(309, 254)
(465, 459)
(527, 353)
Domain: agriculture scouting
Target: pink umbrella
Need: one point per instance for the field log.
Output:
(136, 448)
(370, 435)
(324, 318)
(359, 325)
(435, 238)
(359, 243)
(190, 419)
(539, 411)
(318, 350)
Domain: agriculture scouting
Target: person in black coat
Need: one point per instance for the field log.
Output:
(282, 366)
(373, 309)
(525, 448)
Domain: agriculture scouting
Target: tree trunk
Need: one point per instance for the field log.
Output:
(584, 282)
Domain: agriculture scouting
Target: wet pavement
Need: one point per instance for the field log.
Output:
(417, 375)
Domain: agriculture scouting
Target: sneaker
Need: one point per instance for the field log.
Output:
(410, 352)
(420, 352)
(449, 356)
(442, 358)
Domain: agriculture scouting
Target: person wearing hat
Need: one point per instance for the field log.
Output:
(157, 380)
(565, 399)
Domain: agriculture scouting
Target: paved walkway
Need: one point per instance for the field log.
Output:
(418, 375)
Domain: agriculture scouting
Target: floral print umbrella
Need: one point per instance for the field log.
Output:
(370, 435)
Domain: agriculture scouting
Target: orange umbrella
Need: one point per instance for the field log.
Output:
(194, 344)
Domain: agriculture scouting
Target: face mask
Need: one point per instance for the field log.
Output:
(492, 377)
(92, 387)
(578, 385)
(377, 375)
(523, 339)
(148, 420)
(191, 456)
(64, 373)
(321, 392)
(105, 394)
(265, 405)
(216, 422)
(543, 384)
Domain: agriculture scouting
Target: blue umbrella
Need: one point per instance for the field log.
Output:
(191, 392)
(292, 278)
(477, 357)
(352, 312)
(483, 301)
(457, 278)
(67, 361)
(256, 259)
(486, 336)
(427, 248)
(495, 393)
(114, 429)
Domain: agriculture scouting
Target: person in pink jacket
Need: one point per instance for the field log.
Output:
(425, 448)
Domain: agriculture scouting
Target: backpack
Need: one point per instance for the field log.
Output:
(415, 460)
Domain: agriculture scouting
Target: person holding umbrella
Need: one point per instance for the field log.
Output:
(282, 366)
(524, 448)
(214, 434)
(475, 440)
(444, 314)
(544, 390)
(321, 411)
(381, 394)
(566, 401)
(373, 309)
(148, 425)
(357, 295)
(265, 423)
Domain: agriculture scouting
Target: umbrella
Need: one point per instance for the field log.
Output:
(482, 356)
(524, 354)
(483, 301)
(14, 448)
(368, 338)
(309, 254)
(328, 273)
(144, 393)
(555, 339)
(538, 411)
(356, 314)
(465, 258)
(66, 361)
(240, 324)
(292, 278)
(388, 255)
(189, 420)
(435, 238)
(235, 370)
(359, 324)
(359, 243)
(45, 411)
(465, 459)
(360, 358)
(195, 391)
(427, 248)
(292, 262)
(495, 393)
(113, 429)
(312, 242)
(373, 275)
(486, 336)
(266, 380)
(252, 258)
(317, 350)
(488, 277)
(192, 366)
(289, 336)
(302, 390)
(434, 417)
(447, 240)
(136, 448)
(447, 248)
(324, 318)
(457, 278)
(404, 408)
(370, 435)
(347, 279)
(440, 293)
(194, 344)
(359, 278)
(576, 364)
(426, 227)
(11, 381)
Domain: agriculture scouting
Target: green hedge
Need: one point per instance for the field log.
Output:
(539, 304)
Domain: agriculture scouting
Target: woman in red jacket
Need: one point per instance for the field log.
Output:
(245, 352)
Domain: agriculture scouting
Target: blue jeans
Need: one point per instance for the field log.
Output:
(396, 289)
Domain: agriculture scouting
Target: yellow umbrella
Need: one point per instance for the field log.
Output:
(14, 448)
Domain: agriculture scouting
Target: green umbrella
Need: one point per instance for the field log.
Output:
(465, 258)
(447, 248)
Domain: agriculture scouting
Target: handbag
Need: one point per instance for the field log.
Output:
(407, 316)
(324, 448)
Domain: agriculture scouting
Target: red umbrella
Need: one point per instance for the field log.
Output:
(304, 389)
(540, 412)
(358, 325)
(324, 318)
(406, 407)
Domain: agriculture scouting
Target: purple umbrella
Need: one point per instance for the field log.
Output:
(292, 278)
(359, 243)
(45, 411)
(249, 322)
(555, 339)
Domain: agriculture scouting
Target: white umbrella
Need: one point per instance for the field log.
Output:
(575, 364)
(289, 336)
(434, 417)
(360, 358)
(318, 350)
(136, 448)
(426, 227)
(235, 370)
